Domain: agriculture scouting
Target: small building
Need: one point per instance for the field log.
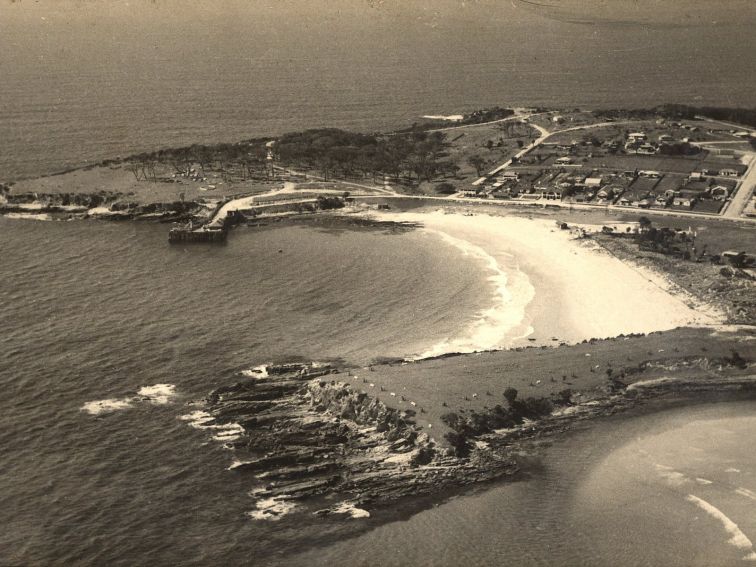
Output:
(593, 182)
(508, 175)
(742, 134)
(663, 200)
(719, 193)
(646, 149)
(697, 176)
(637, 136)
(563, 160)
(685, 199)
(650, 174)
(666, 138)
(625, 202)
(605, 193)
(728, 172)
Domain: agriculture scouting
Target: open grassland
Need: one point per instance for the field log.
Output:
(476, 382)
(117, 179)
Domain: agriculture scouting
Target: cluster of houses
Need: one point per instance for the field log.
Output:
(639, 188)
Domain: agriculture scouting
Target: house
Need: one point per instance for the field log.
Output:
(509, 174)
(647, 149)
(593, 182)
(663, 200)
(637, 137)
(719, 193)
(650, 174)
(666, 138)
(625, 202)
(606, 193)
(685, 199)
(563, 161)
(696, 176)
(728, 172)
(742, 134)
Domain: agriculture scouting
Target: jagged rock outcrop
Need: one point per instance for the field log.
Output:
(305, 437)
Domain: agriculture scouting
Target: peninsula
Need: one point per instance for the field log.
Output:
(639, 223)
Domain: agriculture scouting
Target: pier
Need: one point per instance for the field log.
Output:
(202, 234)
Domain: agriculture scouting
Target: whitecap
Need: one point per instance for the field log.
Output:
(737, 537)
(258, 372)
(271, 509)
(106, 406)
(159, 394)
(747, 493)
(351, 509)
(513, 291)
(29, 216)
(222, 432)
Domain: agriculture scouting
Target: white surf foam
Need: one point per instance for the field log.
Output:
(451, 117)
(350, 508)
(737, 537)
(747, 493)
(106, 406)
(258, 372)
(159, 394)
(222, 432)
(673, 477)
(29, 216)
(271, 509)
(490, 329)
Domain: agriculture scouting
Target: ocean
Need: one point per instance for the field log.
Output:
(85, 81)
(97, 311)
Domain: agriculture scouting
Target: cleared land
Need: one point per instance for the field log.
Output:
(476, 382)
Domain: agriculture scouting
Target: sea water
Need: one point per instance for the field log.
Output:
(84, 81)
(109, 334)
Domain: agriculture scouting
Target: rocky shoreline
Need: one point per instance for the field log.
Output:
(106, 206)
(314, 444)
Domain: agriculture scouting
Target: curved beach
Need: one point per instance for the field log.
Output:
(549, 287)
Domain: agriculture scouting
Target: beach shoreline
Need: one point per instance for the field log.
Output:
(573, 289)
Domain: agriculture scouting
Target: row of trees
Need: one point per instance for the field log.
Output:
(464, 428)
(244, 159)
(745, 116)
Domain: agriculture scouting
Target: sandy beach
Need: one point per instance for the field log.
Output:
(547, 285)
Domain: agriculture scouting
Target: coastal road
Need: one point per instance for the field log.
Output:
(545, 135)
(543, 203)
(743, 195)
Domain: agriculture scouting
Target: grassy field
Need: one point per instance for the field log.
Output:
(493, 143)
(476, 382)
(117, 179)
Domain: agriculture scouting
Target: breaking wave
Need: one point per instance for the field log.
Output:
(503, 323)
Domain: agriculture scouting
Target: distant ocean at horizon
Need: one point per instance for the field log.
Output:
(77, 90)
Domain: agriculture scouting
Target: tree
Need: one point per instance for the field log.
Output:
(510, 394)
(739, 261)
(478, 163)
(645, 223)
(446, 189)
